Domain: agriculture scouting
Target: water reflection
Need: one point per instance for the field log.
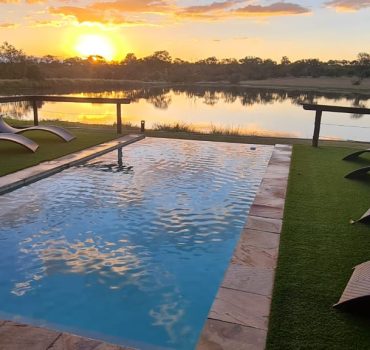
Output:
(264, 112)
(161, 97)
(118, 167)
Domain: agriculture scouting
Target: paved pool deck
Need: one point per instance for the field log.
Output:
(17, 336)
(239, 316)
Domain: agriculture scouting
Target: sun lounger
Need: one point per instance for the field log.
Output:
(358, 173)
(356, 154)
(20, 140)
(357, 291)
(56, 130)
(365, 219)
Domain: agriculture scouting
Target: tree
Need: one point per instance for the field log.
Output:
(285, 61)
(363, 62)
(130, 58)
(9, 54)
(363, 58)
(96, 59)
(162, 56)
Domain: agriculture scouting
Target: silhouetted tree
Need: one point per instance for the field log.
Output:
(160, 66)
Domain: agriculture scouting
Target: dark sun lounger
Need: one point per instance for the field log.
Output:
(357, 292)
(20, 140)
(355, 155)
(358, 173)
(56, 130)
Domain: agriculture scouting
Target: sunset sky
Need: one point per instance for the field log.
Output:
(187, 28)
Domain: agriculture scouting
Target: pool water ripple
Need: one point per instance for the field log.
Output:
(128, 249)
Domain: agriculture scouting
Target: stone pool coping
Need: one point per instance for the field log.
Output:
(17, 336)
(37, 172)
(239, 316)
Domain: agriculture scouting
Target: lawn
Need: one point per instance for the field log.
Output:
(318, 250)
(14, 157)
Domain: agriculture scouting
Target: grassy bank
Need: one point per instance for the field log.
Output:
(318, 250)
(55, 85)
(188, 132)
(65, 85)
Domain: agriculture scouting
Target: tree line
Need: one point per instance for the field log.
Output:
(161, 67)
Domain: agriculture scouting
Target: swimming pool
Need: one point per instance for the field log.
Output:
(132, 246)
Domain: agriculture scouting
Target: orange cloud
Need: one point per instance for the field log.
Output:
(118, 12)
(47, 23)
(8, 25)
(31, 2)
(112, 12)
(17, 1)
(88, 15)
(348, 5)
(141, 6)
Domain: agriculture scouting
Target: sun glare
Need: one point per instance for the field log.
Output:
(91, 45)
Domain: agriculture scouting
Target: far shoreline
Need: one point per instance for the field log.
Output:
(305, 84)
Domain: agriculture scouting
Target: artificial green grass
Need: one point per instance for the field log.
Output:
(318, 250)
(14, 157)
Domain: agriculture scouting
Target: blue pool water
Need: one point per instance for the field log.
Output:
(130, 250)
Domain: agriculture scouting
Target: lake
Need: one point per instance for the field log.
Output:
(251, 111)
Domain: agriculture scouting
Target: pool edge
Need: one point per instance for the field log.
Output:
(45, 169)
(19, 336)
(239, 316)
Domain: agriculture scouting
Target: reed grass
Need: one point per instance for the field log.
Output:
(175, 127)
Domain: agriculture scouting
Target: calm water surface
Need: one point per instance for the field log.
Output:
(255, 111)
(128, 248)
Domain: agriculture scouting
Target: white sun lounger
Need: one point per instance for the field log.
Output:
(20, 140)
(56, 130)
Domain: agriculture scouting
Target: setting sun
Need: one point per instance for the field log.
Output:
(90, 45)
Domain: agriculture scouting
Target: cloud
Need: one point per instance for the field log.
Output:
(114, 12)
(139, 6)
(275, 9)
(231, 8)
(121, 12)
(31, 2)
(88, 15)
(215, 6)
(18, 1)
(8, 25)
(348, 5)
(48, 23)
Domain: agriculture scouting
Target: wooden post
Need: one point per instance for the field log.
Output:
(316, 132)
(35, 112)
(119, 119)
(142, 126)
